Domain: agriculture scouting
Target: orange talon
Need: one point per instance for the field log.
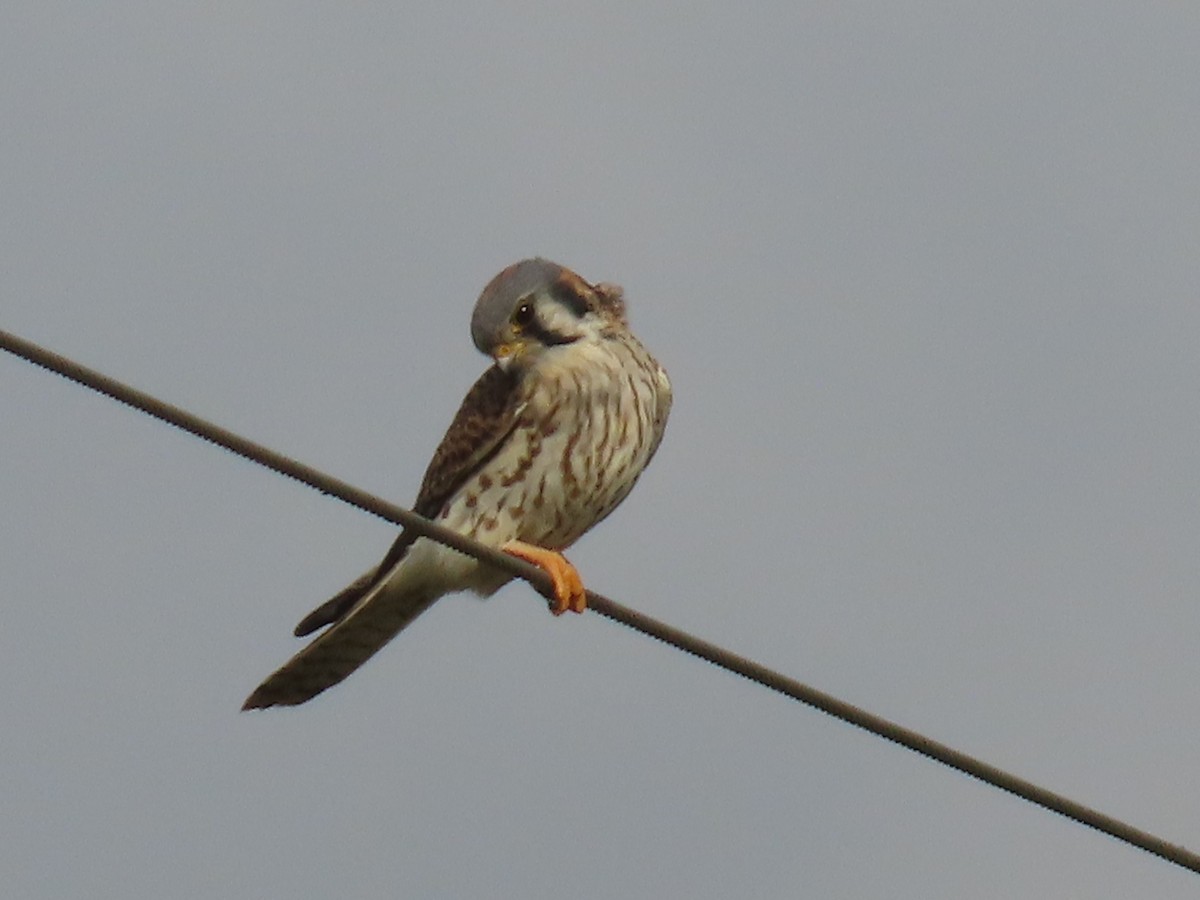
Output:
(568, 586)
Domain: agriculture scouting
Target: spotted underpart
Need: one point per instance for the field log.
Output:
(591, 419)
(545, 445)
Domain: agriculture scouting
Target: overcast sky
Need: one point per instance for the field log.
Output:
(927, 282)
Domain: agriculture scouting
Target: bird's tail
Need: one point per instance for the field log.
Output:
(376, 617)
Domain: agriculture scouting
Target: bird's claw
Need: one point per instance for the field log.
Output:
(568, 590)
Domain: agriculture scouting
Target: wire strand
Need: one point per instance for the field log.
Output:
(611, 609)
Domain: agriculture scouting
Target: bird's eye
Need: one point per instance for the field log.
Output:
(523, 317)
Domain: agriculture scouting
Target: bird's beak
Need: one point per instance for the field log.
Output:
(507, 353)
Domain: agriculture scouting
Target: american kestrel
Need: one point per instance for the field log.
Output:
(546, 444)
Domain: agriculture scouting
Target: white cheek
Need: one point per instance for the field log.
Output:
(560, 321)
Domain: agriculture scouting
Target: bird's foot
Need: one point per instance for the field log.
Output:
(569, 593)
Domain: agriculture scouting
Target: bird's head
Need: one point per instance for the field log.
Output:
(536, 307)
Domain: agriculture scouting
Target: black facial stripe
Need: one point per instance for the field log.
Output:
(546, 337)
(566, 294)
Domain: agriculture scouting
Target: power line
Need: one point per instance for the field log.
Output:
(718, 656)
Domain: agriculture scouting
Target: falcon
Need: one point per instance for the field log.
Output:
(547, 443)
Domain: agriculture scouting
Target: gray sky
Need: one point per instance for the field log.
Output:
(926, 282)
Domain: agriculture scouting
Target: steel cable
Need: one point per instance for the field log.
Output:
(712, 653)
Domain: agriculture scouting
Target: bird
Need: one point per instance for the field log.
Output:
(546, 443)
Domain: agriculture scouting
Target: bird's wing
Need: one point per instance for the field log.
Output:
(371, 611)
(337, 606)
(485, 418)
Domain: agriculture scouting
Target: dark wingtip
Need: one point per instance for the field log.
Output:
(335, 608)
(311, 623)
(327, 613)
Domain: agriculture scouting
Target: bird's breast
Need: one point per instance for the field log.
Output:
(592, 419)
